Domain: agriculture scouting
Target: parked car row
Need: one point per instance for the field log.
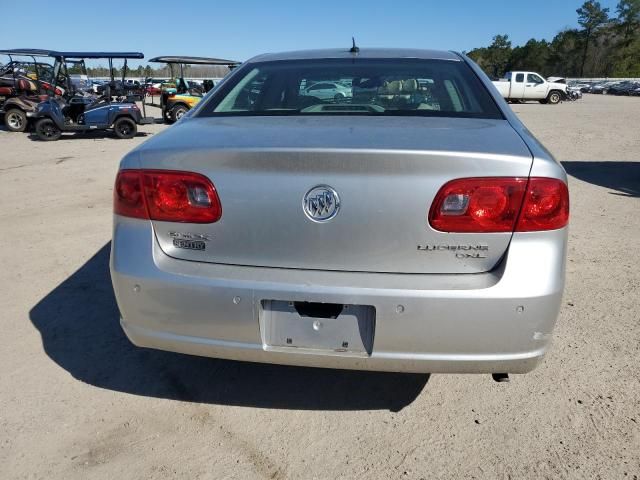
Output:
(625, 87)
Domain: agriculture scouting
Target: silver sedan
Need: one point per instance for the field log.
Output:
(416, 226)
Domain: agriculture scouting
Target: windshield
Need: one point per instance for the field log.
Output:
(355, 87)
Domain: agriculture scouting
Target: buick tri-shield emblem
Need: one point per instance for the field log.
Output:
(321, 203)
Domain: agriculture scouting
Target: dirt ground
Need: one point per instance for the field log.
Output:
(77, 400)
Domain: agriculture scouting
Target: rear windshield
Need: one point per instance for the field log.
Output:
(441, 88)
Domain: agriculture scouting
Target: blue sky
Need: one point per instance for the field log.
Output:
(242, 28)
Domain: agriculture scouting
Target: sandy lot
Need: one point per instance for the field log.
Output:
(77, 400)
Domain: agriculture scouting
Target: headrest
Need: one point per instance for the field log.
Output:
(410, 85)
(394, 87)
(23, 84)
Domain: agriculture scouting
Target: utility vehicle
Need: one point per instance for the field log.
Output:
(177, 95)
(23, 85)
(114, 109)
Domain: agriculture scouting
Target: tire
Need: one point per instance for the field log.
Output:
(178, 111)
(167, 117)
(554, 97)
(338, 96)
(47, 130)
(543, 101)
(15, 120)
(125, 128)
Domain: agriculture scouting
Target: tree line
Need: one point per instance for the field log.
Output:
(604, 45)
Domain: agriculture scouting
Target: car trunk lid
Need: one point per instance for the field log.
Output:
(385, 173)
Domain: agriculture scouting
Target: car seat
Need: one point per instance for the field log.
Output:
(24, 85)
(181, 86)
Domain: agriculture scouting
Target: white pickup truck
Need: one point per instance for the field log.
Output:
(525, 86)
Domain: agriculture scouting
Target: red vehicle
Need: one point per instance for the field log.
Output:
(152, 89)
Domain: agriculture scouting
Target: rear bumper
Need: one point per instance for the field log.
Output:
(499, 321)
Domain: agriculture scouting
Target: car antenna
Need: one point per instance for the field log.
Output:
(354, 48)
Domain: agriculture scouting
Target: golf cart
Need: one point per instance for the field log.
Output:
(114, 107)
(23, 85)
(178, 96)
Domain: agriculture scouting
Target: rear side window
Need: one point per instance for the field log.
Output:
(519, 77)
(354, 87)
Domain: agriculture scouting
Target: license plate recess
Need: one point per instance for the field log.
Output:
(318, 326)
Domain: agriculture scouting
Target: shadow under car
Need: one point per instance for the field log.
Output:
(79, 324)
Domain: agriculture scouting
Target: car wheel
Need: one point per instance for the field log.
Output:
(47, 130)
(167, 117)
(15, 120)
(338, 96)
(125, 128)
(543, 101)
(554, 98)
(178, 111)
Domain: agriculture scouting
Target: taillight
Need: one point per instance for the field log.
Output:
(166, 195)
(495, 204)
(478, 205)
(546, 205)
(127, 195)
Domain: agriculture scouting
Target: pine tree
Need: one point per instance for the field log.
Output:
(590, 16)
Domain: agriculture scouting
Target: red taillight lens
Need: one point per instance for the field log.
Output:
(546, 205)
(127, 195)
(166, 195)
(495, 204)
(478, 205)
(180, 197)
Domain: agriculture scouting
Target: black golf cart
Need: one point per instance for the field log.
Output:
(114, 108)
(178, 95)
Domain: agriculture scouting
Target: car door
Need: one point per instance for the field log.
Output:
(313, 90)
(324, 91)
(535, 87)
(517, 86)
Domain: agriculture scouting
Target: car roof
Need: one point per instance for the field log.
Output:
(337, 53)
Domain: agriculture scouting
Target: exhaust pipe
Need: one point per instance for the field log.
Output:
(500, 377)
